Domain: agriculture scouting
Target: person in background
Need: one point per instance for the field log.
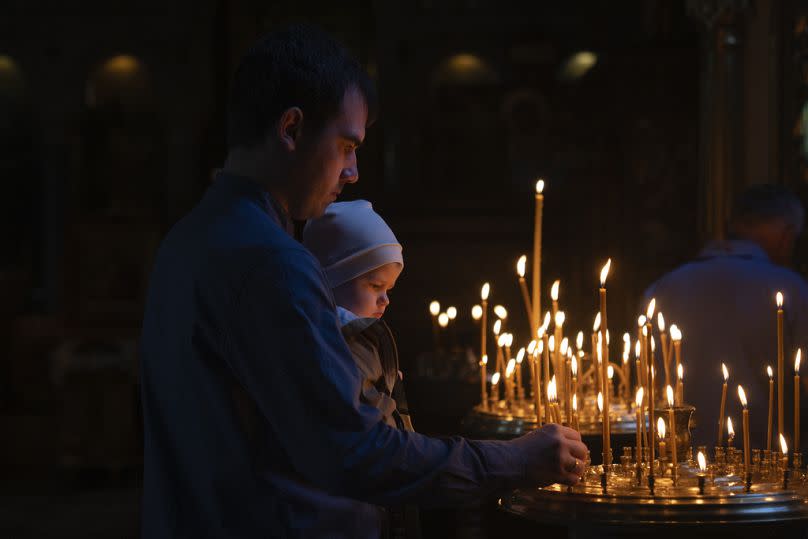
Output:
(723, 301)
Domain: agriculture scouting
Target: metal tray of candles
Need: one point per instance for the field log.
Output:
(719, 493)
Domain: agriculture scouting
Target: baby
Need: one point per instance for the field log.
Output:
(362, 261)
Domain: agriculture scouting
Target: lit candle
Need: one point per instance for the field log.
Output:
(568, 387)
(495, 389)
(508, 342)
(626, 373)
(642, 336)
(746, 452)
(554, 290)
(537, 387)
(639, 410)
(661, 434)
(509, 380)
(663, 339)
(676, 337)
(483, 389)
(546, 361)
(603, 358)
(797, 400)
(730, 433)
(651, 406)
(784, 450)
(780, 365)
(443, 320)
(434, 310)
(723, 404)
(501, 313)
(500, 345)
(610, 385)
(702, 470)
(551, 397)
(536, 283)
(607, 444)
(680, 383)
(520, 391)
(575, 424)
(771, 408)
(574, 372)
(672, 425)
(484, 292)
(520, 271)
(559, 337)
(594, 354)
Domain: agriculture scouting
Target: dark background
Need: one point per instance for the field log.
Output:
(111, 125)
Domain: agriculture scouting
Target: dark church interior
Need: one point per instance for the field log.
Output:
(645, 118)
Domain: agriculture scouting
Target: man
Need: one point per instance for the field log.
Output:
(253, 425)
(724, 303)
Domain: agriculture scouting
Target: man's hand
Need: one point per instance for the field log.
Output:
(552, 454)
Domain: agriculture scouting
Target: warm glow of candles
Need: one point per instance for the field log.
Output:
(641, 320)
(783, 445)
(638, 409)
(579, 340)
(443, 320)
(661, 430)
(702, 462)
(780, 365)
(596, 323)
(649, 313)
(600, 402)
(434, 308)
(510, 368)
(503, 338)
(520, 355)
(723, 407)
(476, 312)
(797, 425)
(485, 291)
(559, 319)
(497, 327)
(451, 312)
(676, 334)
(554, 289)
(565, 343)
(730, 432)
(680, 383)
(574, 367)
(501, 312)
(604, 272)
(637, 350)
(660, 321)
(521, 265)
(746, 450)
(672, 425)
(531, 347)
(771, 408)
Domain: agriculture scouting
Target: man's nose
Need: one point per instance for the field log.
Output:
(349, 175)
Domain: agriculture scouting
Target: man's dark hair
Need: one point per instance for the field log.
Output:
(763, 203)
(297, 66)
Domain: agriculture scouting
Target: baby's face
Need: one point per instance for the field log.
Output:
(366, 295)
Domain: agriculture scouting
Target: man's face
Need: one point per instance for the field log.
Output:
(326, 161)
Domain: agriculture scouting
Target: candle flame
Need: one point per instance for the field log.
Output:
(574, 403)
(669, 391)
(726, 372)
(610, 372)
(637, 349)
(676, 333)
(508, 340)
(559, 319)
(531, 347)
(660, 321)
(554, 290)
(502, 339)
(520, 265)
(540, 347)
(564, 346)
(627, 338)
(626, 345)
(660, 427)
(779, 300)
(495, 379)
(485, 359)
(649, 313)
(730, 429)
(497, 327)
(653, 344)
(579, 340)
(451, 312)
(501, 312)
(641, 320)
(546, 320)
(604, 272)
(600, 350)
(596, 325)
(797, 359)
(510, 368)
(484, 291)
(434, 308)
(783, 445)
(551, 390)
(770, 372)
(639, 396)
(680, 371)
(520, 355)
(742, 396)
(551, 343)
(600, 402)
(476, 312)
(443, 320)
(645, 331)
(608, 340)
(574, 367)
(625, 357)
(702, 461)
(540, 186)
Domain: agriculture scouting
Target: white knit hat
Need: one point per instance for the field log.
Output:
(350, 240)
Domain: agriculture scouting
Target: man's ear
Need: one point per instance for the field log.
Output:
(290, 126)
